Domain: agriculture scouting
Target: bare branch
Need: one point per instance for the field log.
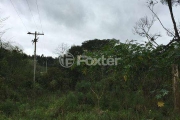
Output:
(151, 5)
(143, 27)
(97, 96)
(62, 49)
(2, 25)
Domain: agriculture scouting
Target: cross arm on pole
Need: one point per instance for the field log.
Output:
(35, 33)
(31, 33)
(40, 33)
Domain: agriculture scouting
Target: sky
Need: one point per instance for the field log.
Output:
(75, 21)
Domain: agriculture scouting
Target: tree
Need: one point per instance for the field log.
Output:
(1, 26)
(62, 49)
(143, 27)
(2, 32)
(170, 3)
(76, 50)
(96, 44)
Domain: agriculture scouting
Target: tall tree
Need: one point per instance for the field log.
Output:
(170, 4)
(142, 28)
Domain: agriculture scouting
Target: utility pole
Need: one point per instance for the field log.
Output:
(46, 64)
(1, 42)
(34, 41)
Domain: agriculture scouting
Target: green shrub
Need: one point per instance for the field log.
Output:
(9, 107)
(71, 101)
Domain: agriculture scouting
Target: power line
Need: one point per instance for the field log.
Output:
(39, 15)
(40, 19)
(18, 15)
(31, 14)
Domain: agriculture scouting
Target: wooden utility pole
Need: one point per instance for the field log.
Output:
(175, 82)
(46, 64)
(34, 41)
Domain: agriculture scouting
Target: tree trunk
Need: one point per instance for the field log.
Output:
(173, 20)
(176, 87)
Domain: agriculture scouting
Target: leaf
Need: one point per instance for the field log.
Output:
(158, 96)
(125, 78)
(84, 71)
(160, 104)
(140, 58)
(164, 92)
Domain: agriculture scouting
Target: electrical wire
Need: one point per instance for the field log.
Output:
(40, 22)
(39, 15)
(19, 15)
(31, 14)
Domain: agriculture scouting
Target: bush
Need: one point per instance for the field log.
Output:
(8, 107)
(71, 101)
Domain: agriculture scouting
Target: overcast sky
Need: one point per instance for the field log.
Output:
(74, 21)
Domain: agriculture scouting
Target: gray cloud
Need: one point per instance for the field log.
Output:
(74, 21)
(69, 13)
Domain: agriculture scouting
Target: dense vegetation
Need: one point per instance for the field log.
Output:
(139, 87)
